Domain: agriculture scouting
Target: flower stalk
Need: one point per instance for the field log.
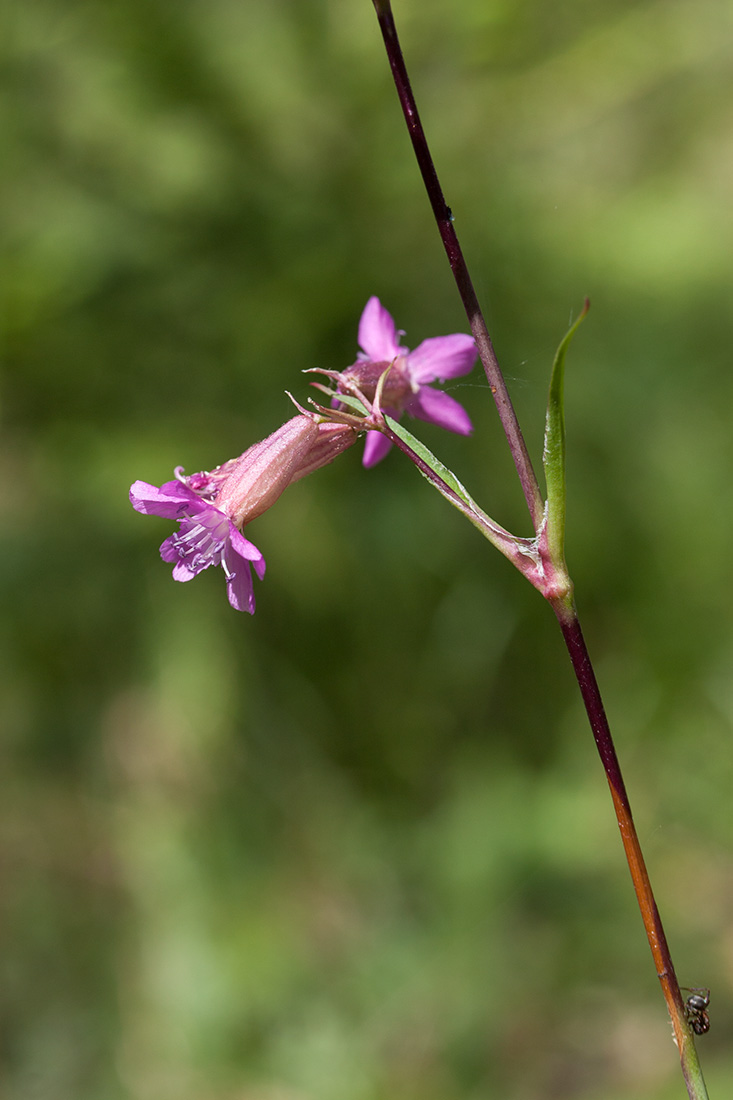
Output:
(524, 553)
(548, 521)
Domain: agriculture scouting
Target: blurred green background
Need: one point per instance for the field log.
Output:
(359, 847)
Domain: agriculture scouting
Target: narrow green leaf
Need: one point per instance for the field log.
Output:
(350, 402)
(521, 552)
(553, 457)
(433, 463)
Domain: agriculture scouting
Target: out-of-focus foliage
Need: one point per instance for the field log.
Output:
(359, 846)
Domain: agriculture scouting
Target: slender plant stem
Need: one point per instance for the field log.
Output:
(583, 668)
(444, 219)
(564, 609)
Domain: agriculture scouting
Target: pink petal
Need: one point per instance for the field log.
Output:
(181, 572)
(439, 408)
(243, 548)
(240, 590)
(170, 500)
(168, 550)
(378, 337)
(240, 587)
(442, 357)
(375, 448)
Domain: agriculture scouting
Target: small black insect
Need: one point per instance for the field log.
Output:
(696, 1010)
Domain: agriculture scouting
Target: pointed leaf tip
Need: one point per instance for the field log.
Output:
(554, 451)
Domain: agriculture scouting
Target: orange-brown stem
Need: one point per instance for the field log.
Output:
(590, 691)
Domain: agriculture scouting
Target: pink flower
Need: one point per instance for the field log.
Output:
(407, 387)
(212, 508)
(206, 536)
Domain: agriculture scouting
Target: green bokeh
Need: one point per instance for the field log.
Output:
(359, 847)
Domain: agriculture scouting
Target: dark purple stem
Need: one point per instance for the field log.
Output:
(444, 219)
